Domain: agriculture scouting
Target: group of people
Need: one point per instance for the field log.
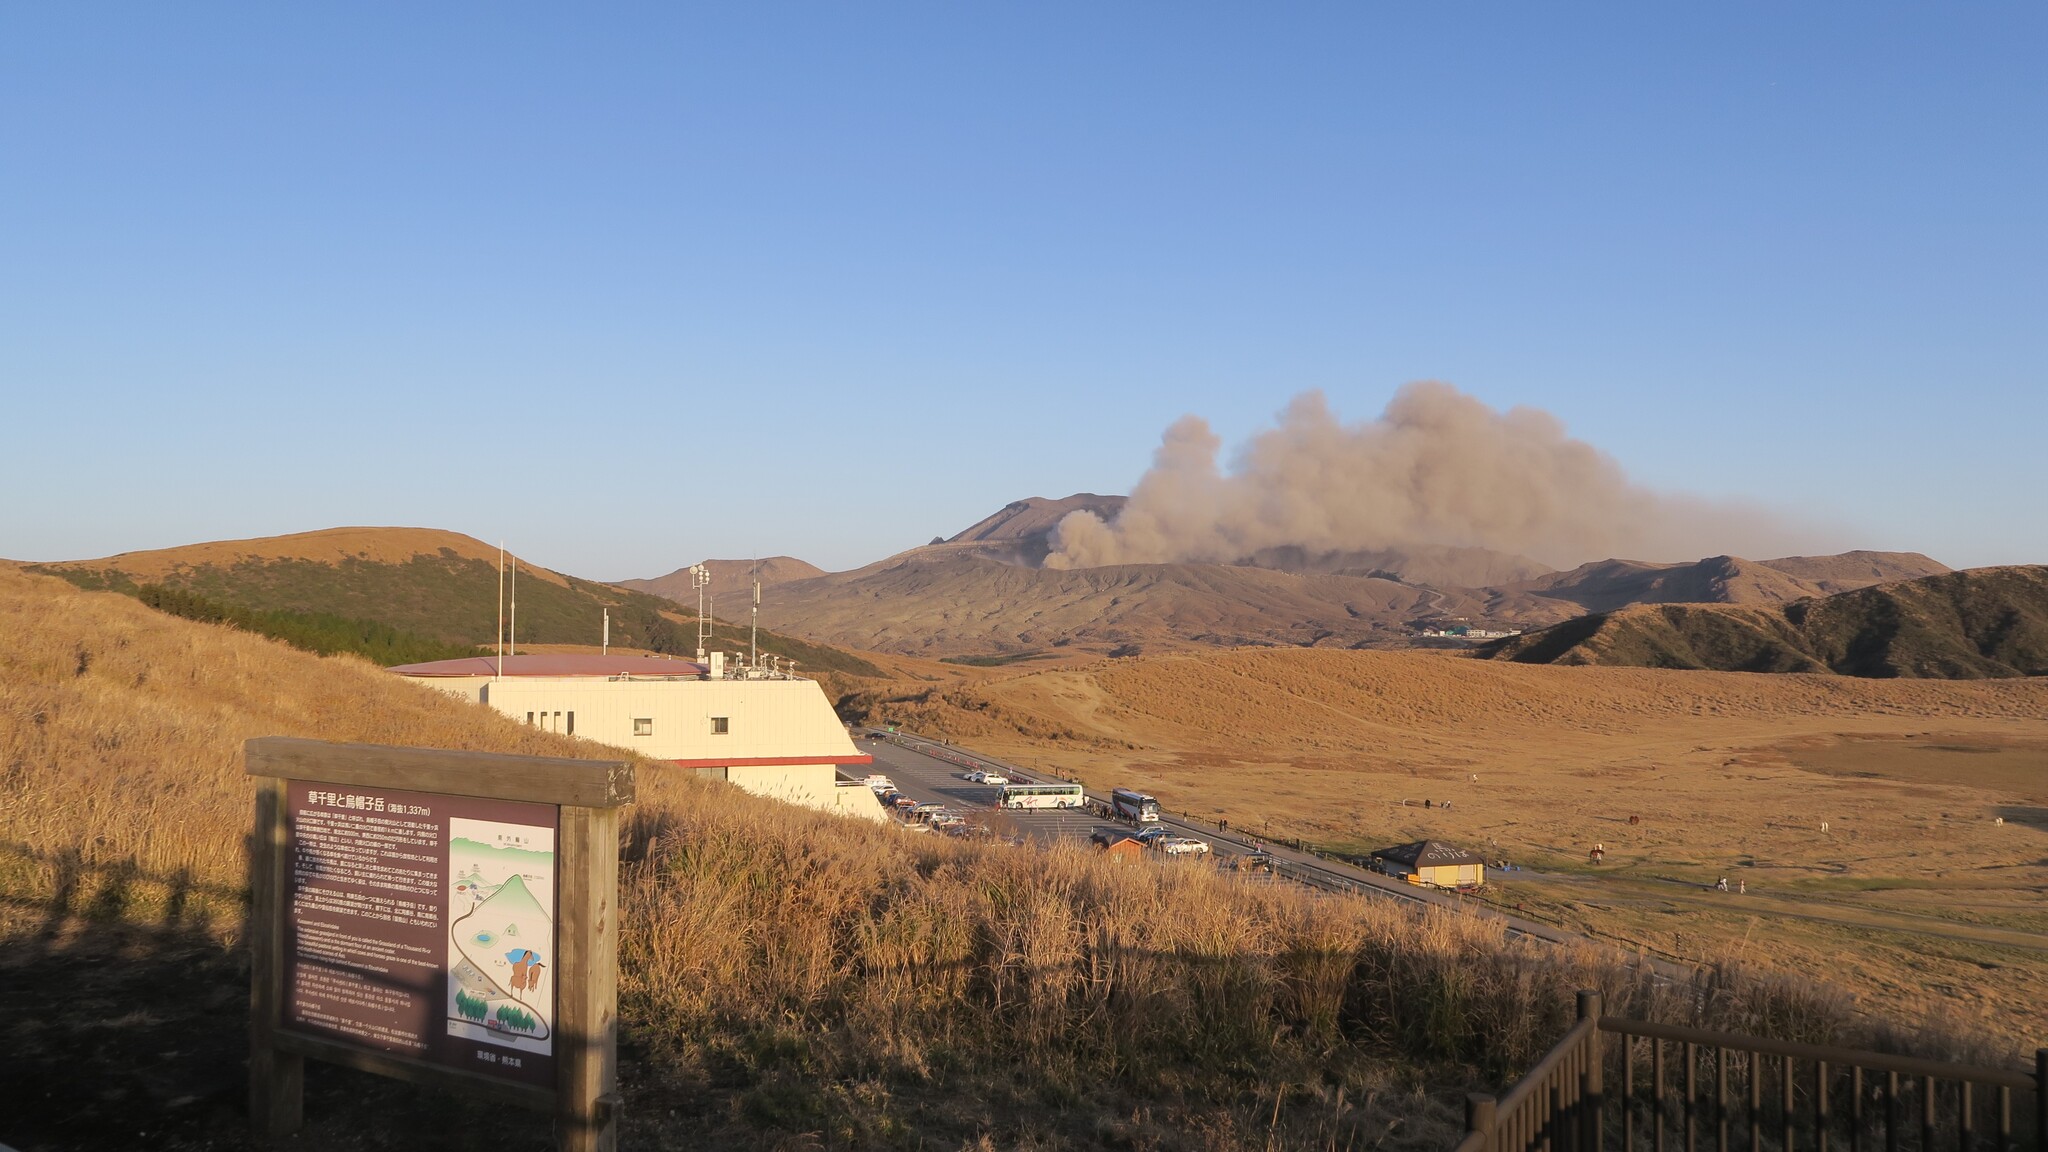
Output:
(1741, 886)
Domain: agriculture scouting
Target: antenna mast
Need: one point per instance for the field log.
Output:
(515, 606)
(699, 577)
(500, 675)
(606, 649)
(754, 641)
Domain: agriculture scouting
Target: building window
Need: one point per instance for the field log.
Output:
(529, 719)
(571, 730)
(720, 725)
(643, 726)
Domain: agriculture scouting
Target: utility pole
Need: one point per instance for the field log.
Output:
(754, 641)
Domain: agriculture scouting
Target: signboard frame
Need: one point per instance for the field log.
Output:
(587, 795)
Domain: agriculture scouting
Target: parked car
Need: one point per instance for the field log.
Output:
(1149, 834)
(993, 778)
(1182, 846)
(880, 783)
(973, 775)
(1248, 862)
(903, 803)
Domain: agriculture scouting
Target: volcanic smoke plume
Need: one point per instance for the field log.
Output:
(1437, 468)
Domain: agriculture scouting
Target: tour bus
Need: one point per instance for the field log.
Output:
(1041, 796)
(1136, 807)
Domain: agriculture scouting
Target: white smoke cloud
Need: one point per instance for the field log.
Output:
(1438, 467)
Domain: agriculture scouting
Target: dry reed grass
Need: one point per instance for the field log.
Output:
(121, 735)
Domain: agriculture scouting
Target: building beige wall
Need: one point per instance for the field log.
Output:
(1454, 875)
(677, 719)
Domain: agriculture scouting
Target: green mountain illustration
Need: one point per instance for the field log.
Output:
(512, 903)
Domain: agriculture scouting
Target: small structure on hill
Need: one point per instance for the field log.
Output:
(1433, 862)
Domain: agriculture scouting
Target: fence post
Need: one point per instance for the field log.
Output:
(1592, 1130)
(1479, 1115)
(2041, 1099)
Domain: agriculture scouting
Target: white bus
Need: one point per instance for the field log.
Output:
(1041, 796)
(1136, 807)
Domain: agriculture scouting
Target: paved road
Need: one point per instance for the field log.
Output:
(930, 771)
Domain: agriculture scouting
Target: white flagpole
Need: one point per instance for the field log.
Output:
(501, 611)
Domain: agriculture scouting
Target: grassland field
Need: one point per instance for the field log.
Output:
(1927, 892)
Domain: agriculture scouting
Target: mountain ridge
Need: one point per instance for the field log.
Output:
(1971, 624)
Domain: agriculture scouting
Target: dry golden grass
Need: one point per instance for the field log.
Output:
(1915, 895)
(325, 546)
(821, 975)
(121, 735)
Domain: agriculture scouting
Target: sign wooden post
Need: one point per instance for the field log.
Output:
(449, 918)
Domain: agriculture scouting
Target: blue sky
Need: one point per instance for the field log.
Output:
(635, 285)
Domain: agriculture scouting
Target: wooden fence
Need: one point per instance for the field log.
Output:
(1681, 1087)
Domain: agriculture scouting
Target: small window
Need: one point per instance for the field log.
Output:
(643, 726)
(529, 719)
(558, 722)
(571, 729)
(720, 725)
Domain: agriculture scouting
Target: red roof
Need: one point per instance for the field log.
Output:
(554, 664)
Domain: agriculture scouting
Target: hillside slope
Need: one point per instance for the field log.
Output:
(1987, 622)
(427, 582)
(1606, 585)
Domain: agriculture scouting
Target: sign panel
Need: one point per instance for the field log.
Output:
(423, 925)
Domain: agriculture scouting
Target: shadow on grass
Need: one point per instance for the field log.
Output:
(124, 1023)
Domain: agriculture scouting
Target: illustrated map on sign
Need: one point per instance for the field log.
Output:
(501, 933)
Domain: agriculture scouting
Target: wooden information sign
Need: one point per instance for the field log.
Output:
(442, 917)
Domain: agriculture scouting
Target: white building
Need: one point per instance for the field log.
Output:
(771, 735)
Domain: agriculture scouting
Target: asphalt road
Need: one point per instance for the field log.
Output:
(929, 771)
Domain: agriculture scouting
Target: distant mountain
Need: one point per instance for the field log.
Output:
(1978, 623)
(727, 578)
(937, 601)
(985, 590)
(423, 581)
(1606, 585)
(1852, 570)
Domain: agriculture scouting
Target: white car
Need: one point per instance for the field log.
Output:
(992, 778)
(973, 775)
(1182, 846)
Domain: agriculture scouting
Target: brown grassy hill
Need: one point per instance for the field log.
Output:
(442, 586)
(1606, 585)
(1987, 622)
(1610, 584)
(783, 974)
(729, 578)
(325, 546)
(1849, 571)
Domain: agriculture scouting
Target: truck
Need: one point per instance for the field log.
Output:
(1135, 807)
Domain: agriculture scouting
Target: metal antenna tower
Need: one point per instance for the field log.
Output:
(700, 577)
